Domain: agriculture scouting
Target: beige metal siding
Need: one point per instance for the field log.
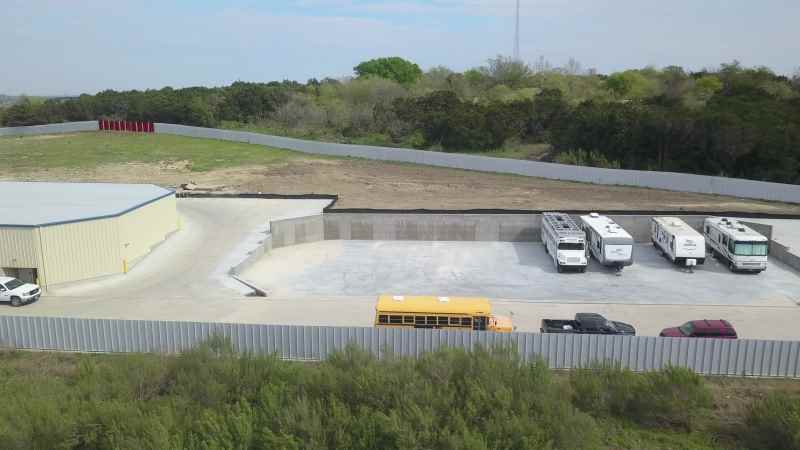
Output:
(19, 247)
(81, 250)
(142, 229)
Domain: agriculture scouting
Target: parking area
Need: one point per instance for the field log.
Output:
(512, 271)
(335, 283)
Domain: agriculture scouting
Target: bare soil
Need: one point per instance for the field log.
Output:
(372, 184)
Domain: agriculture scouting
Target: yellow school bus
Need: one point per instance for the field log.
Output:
(454, 313)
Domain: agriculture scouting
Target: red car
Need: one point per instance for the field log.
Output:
(719, 329)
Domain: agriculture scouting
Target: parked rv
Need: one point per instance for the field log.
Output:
(719, 329)
(679, 242)
(587, 323)
(564, 241)
(608, 242)
(736, 244)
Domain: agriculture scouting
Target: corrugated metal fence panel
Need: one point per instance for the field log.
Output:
(559, 351)
(657, 180)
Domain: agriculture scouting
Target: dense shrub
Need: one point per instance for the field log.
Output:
(774, 423)
(212, 398)
(673, 397)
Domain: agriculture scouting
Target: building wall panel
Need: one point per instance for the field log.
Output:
(19, 247)
(80, 250)
(142, 229)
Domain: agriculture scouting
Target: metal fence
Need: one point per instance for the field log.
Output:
(657, 180)
(560, 351)
(55, 128)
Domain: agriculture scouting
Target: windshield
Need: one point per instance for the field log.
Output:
(610, 325)
(570, 246)
(686, 328)
(13, 284)
(750, 248)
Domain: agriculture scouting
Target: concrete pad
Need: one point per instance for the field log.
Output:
(215, 235)
(499, 270)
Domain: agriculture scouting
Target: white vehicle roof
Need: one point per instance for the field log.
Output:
(677, 227)
(5, 280)
(605, 226)
(737, 230)
(563, 225)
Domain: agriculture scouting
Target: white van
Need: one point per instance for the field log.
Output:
(679, 242)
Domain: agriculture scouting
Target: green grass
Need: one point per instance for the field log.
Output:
(89, 150)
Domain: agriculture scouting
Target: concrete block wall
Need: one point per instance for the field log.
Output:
(784, 254)
(298, 230)
(463, 227)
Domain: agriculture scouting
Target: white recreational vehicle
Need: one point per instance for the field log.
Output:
(733, 242)
(679, 242)
(564, 241)
(608, 242)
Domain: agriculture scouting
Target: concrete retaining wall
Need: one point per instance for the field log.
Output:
(463, 227)
(298, 230)
(55, 128)
(784, 254)
(658, 180)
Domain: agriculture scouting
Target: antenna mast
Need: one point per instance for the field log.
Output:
(516, 36)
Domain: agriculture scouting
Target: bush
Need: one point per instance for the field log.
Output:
(672, 397)
(774, 423)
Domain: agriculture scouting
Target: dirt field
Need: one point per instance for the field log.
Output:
(369, 184)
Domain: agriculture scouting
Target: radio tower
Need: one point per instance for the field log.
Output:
(516, 36)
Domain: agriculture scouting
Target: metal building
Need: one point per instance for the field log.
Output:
(53, 233)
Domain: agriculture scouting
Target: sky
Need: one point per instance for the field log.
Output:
(69, 47)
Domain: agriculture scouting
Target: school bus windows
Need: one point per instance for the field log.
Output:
(408, 320)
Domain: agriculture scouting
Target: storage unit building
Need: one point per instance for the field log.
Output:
(53, 233)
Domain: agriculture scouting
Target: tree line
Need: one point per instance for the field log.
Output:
(729, 121)
(211, 398)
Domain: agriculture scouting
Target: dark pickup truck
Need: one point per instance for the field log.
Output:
(587, 323)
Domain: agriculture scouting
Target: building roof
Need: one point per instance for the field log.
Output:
(434, 305)
(30, 204)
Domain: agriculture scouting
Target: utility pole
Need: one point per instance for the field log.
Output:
(516, 36)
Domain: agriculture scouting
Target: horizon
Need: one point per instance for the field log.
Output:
(95, 47)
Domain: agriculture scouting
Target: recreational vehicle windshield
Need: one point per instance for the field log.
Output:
(679, 242)
(564, 241)
(736, 244)
(608, 242)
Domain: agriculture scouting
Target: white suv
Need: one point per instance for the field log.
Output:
(18, 292)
